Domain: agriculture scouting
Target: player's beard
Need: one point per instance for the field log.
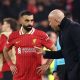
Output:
(27, 28)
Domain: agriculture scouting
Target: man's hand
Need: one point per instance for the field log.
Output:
(13, 69)
(42, 69)
(39, 50)
(56, 77)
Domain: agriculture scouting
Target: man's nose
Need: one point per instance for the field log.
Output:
(30, 22)
(49, 24)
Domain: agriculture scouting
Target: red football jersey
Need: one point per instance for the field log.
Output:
(1, 75)
(3, 40)
(27, 60)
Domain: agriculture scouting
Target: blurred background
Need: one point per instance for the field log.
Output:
(40, 8)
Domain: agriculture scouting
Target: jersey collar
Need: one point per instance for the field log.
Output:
(30, 32)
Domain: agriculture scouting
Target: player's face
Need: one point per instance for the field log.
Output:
(27, 22)
(5, 26)
(53, 23)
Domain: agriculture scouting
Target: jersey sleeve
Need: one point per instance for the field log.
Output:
(3, 40)
(45, 40)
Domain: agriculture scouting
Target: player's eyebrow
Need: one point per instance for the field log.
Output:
(29, 20)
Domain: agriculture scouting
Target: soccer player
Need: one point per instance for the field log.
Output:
(28, 62)
(8, 26)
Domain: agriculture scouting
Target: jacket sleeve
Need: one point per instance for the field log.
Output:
(53, 54)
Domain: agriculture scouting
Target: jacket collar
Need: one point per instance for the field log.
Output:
(64, 23)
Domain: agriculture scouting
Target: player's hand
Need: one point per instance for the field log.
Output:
(56, 77)
(13, 69)
(39, 50)
(42, 69)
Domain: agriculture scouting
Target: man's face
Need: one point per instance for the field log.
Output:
(5, 26)
(27, 22)
(53, 23)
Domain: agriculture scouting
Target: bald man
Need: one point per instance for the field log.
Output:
(69, 33)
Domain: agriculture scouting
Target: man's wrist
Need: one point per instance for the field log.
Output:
(44, 52)
(48, 64)
(10, 63)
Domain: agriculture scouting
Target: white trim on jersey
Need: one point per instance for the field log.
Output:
(31, 32)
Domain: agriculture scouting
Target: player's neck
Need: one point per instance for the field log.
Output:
(8, 30)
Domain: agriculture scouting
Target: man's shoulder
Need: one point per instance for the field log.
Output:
(3, 36)
(14, 34)
(6, 34)
(74, 26)
(40, 32)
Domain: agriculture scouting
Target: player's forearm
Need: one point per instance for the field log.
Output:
(6, 56)
(49, 61)
(53, 48)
